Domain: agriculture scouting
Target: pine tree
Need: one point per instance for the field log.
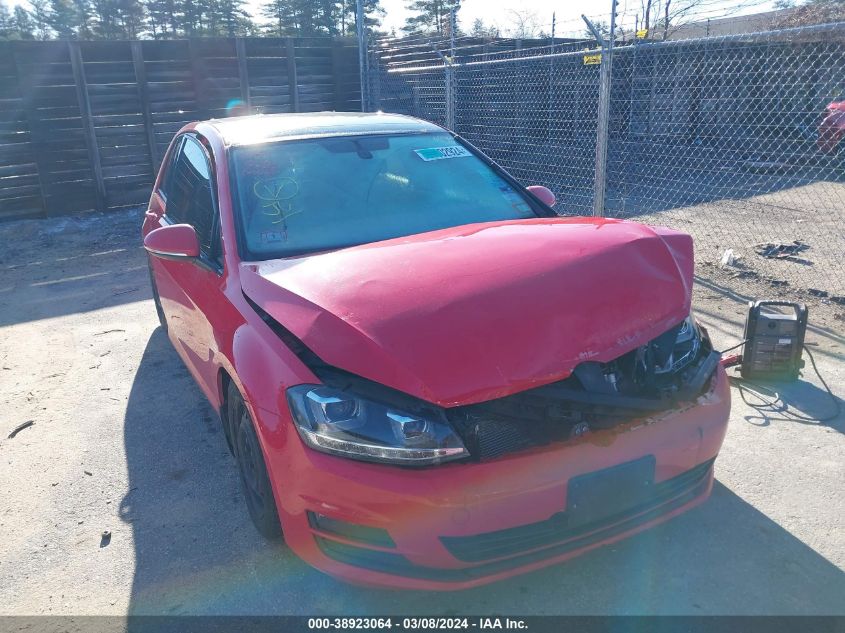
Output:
(158, 17)
(7, 23)
(16, 24)
(41, 18)
(305, 12)
(84, 19)
(373, 15)
(281, 16)
(479, 29)
(347, 16)
(63, 19)
(295, 17)
(105, 19)
(430, 15)
(207, 17)
(131, 17)
(233, 18)
(171, 12)
(189, 18)
(325, 16)
(23, 23)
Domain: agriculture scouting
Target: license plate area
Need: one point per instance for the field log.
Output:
(602, 494)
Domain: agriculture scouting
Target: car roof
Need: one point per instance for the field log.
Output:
(261, 128)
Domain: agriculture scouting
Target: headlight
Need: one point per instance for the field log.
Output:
(342, 423)
(686, 347)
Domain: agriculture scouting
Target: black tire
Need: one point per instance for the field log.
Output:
(227, 414)
(156, 299)
(255, 482)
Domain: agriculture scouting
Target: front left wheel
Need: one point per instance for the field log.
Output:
(255, 481)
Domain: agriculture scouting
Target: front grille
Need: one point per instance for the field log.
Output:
(688, 488)
(352, 531)
(501, 543)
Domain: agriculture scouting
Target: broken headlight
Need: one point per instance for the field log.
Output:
(342, 423)
(685, 348)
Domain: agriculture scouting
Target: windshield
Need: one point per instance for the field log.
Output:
(320, 194)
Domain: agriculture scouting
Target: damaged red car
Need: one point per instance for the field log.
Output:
(426, 377)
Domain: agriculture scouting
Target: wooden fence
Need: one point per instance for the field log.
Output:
(84, 125)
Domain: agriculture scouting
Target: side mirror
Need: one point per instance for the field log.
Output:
(544, 194)
(176, 241)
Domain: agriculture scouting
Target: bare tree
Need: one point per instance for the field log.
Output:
(646, 4)
(524, 24)
(665, 17)
(676, 13)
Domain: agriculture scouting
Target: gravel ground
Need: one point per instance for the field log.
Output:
(811, 214)
(123, 441)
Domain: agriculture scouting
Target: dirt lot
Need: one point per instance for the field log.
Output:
(810, 214)
(123, 441)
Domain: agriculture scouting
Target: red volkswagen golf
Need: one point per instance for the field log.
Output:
(426, 377)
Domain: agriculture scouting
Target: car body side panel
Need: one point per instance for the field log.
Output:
(237, 342)
(832, 128)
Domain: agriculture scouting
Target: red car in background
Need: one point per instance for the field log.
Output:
(427, 378)
(832, 127)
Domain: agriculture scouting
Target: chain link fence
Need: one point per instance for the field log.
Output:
(732, 139)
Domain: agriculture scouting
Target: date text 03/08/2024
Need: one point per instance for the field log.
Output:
(422, 623)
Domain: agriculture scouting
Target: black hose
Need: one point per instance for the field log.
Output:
(771, 399)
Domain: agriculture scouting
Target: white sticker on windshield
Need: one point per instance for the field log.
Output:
(268, 237)
(439, 153)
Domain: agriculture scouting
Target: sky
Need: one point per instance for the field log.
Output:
(502, 13)
(568, 13)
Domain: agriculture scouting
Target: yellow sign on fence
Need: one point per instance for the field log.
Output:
(642, 34)
(592, 59)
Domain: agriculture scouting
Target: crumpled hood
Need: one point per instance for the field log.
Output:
(480, 311)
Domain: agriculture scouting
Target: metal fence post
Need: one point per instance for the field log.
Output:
(84, 100)
(293, 79)
(603, 122)
(449, 72)
(363, 58)
(144, 96)
(243, 72)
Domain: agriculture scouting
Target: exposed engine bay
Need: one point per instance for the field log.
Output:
(674, 368)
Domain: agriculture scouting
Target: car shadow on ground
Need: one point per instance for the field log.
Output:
(197, 553)
(60, 266)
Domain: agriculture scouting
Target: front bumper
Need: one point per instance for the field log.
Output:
(463, 525)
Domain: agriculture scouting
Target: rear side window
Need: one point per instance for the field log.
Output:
(188, 190)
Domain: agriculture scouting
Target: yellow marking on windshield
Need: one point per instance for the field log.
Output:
(276, 196)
